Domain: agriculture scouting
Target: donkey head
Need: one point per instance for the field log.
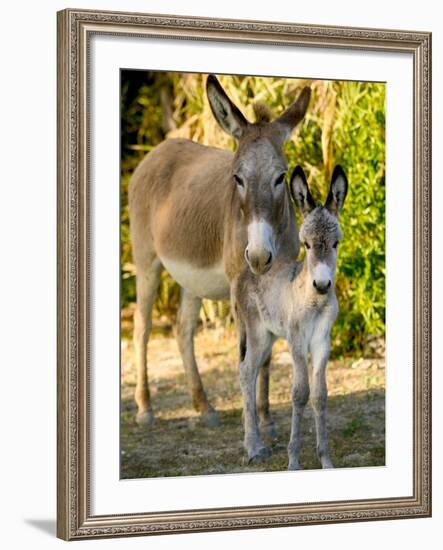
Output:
(259, 169)
(320, 231)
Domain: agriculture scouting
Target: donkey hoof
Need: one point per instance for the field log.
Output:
(262, 455)
(327, 465)
(269, 430)
(211, 419)
(145, 418)
(294, 465)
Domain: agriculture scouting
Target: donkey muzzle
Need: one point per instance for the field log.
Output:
(259, 252)
(322, 277)
(259, 261)
(322, 287)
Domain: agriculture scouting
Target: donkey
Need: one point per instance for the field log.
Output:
(296, 302)
(204, 214)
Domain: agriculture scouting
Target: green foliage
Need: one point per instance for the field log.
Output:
(359, 135)
(345, 124)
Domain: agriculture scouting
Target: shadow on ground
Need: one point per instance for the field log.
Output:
(178, 444)
(184, 446)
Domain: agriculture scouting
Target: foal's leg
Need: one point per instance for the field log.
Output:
(319, 396)
(267, 425)
(257, 349)
(187, 321)
(148, 278)
(300, 396)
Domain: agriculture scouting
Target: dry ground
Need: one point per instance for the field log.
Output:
(179, 444)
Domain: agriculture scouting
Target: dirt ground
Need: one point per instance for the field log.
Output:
(179, 444)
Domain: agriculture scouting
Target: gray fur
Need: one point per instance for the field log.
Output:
(290, 301)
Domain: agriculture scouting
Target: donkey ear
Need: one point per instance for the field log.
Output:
(226, 113)
(300, 191)
(338, 190)
(293, 114)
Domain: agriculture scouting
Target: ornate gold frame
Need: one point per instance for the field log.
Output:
(75, 27)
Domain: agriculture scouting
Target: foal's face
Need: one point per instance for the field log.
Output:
(258, 170)
(320, 234)
(320, 231)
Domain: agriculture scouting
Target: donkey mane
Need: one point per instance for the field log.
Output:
(262, 112)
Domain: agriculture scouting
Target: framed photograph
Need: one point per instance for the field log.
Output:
(244, 274)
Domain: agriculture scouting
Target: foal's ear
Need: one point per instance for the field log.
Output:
(300, 191)
(225, 112)
(337, 191)
(293, 114)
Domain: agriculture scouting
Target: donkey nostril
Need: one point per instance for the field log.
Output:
(247, 254)
(315, 284)
(329, 284)
(269, 260)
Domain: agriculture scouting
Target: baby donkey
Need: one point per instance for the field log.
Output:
(295, 301)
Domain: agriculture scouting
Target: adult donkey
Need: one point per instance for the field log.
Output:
(201, 213)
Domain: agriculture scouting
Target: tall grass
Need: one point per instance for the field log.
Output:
(345, 124)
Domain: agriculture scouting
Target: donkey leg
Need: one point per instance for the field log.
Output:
(187, 320)
(267, 425)
(300, 396)
(148, 278)
(319, 398)
(256, 351)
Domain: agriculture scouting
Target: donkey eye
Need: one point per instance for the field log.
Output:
(280, 180)
(307, 245)
(239, 181)
(335, 244)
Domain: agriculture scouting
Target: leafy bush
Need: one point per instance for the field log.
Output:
(345, 124)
